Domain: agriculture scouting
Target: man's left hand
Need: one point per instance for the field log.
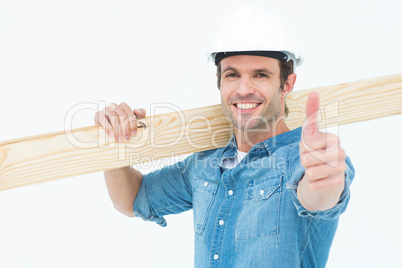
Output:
(324, 162)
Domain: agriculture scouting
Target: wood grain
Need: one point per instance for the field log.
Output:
(73, 152)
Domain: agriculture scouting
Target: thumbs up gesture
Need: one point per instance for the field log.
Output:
(324, 162)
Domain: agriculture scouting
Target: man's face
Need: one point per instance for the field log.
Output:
(250, 91)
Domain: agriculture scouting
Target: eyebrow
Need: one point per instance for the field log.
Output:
(229, 69)
(262, 70)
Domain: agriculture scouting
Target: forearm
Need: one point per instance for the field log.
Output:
(123, 185)
(316, 199)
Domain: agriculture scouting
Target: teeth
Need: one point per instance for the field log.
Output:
(246, 106)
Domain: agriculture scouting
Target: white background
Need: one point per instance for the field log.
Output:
(56, 54)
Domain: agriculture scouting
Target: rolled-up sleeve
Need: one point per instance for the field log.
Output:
(331, 213)
(163, 192)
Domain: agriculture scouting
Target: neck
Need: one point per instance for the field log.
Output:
(247, 138)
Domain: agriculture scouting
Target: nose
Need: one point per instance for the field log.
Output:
(246, 86)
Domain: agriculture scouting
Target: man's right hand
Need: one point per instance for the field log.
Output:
(119, 121)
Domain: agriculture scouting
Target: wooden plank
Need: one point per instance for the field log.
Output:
(64, 154)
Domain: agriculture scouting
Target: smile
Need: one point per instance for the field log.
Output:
(246, 106)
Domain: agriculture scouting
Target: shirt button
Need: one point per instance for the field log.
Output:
(221, 222)
(262, 192)
(216, 256)
(230, 192)
(206, 184)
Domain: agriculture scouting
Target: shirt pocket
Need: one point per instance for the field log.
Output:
(259, 216)
(203, 196)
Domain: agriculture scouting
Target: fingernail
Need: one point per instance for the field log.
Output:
(111, 134)
(120, 139)
(133, 133)
(127, 138)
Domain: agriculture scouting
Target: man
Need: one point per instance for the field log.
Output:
(271, 197)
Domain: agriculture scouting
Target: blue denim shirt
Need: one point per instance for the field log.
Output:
(247, 216)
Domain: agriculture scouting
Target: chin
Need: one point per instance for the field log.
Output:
(252, 125)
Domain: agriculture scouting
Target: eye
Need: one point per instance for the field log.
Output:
(231, 75)
(261, 75)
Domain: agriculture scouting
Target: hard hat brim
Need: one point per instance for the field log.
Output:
(271, 54)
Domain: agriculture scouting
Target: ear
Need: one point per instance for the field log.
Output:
(289, 84)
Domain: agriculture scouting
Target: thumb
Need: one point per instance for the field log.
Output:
(139, 113)
(310, 126)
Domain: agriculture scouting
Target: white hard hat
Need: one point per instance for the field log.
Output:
(253, 30)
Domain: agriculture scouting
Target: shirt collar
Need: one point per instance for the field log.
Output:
(286, 138)
(269, 146)
(229, 151)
